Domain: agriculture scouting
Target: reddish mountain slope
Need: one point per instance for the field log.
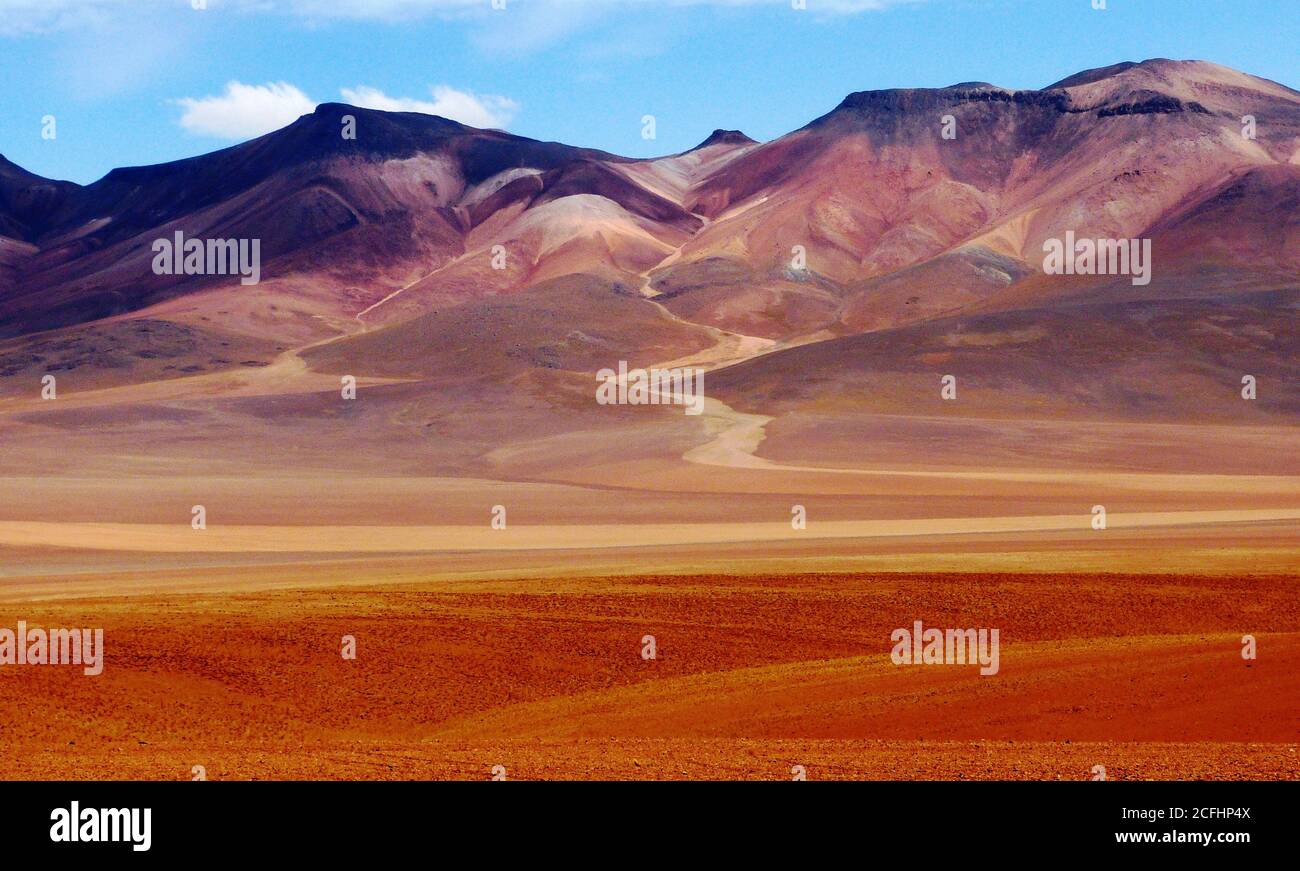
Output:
(868, 220)
(874, 187)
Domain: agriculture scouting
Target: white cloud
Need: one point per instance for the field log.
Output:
(245, 111)
(476, 110)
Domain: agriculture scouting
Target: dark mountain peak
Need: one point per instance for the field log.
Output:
(724, 137)
(318, 135)
(323, 144)
(13, 175)
(897, 102)
(334, 110)
(12, 171)
(333, 114)
(1154, 86)
(28, 200)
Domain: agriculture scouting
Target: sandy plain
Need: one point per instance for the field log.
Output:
(521, 647)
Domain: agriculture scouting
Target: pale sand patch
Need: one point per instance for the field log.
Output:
(1007, 238)
(223, 538)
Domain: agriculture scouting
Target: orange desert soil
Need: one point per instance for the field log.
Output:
(1142, 674)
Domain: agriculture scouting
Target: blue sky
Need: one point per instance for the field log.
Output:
(143, 81)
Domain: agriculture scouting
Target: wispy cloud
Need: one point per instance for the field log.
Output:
(476, 110)
(245, 111)
(34, 16)
(119, 56)
(398, 9)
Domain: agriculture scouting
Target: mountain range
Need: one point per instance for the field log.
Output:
(369, 517)
(899, 235)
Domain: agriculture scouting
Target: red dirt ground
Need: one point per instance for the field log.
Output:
(1140, 674)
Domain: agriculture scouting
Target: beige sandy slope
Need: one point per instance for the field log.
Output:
(45, 574)
(220, 538)
(732, 440)
(288, 373)
(737, 435)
